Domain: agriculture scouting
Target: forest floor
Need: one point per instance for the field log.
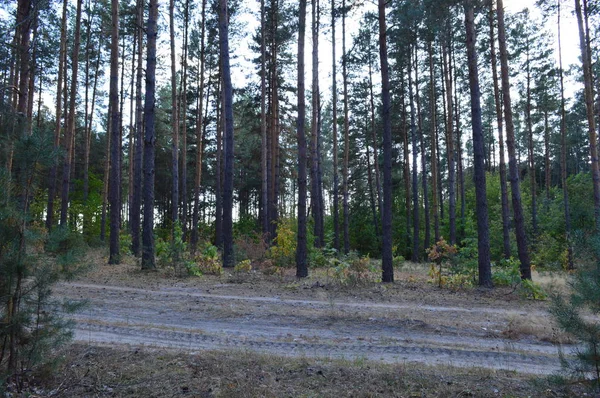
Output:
(251, 334)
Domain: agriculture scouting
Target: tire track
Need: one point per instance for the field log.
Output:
(164, 318)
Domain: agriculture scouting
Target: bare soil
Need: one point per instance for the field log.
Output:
(313, 324)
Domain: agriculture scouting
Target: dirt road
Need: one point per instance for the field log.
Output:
(192, 318)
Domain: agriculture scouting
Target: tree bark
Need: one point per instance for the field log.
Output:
(336, 222)
(346, 135)
(148, 260)
(59, 85)
(450, 143)
(563, 149)
(499, 120)
(174, 121)
(415, 175)
(199, 131)
(301, 263)
(483, 237)
(589, 105)
(434, 160)
(519, 222)
(386, 259)
(315, 197)
(115, 174)
(136, 204)
(264, 202)
(228, 255)
(70, 132)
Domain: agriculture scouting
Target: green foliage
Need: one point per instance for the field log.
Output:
(353, 269)
(125, 242)
(283, 252)
(440, 254)
(507, 273)
(571, 314)
(207, 262)
(173, 253)
(243, 266)
(31, 262)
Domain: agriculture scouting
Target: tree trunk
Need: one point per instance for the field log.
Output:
(346, 135)
(483, 237)
(228, 256)
(264, 202)
(183, 115)
(174, 121)
(148, 260)
(24, 23)
(115, 181)
(415, 175)
(510, 143)
(386, 259)
(336, 222)
(54, 169)
(450, 143)
(589, 104)
(434, 160)
(563, 150)
(136, 203)
(315, 197)
(199, 131)
(70, 132)
(301, 263)
(498, 103)
(427, 240)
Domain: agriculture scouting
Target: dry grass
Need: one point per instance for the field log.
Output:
(133, 372)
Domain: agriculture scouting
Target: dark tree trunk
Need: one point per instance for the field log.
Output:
(415, 174)
(228, 257)
(427, 240)
(315, 195)
(174, 121)
(70, 132)
(136, 202)
(450, 143)
(510, 143)
(54, 169)
(386, 259)
(219, 168)
(148, 260)
(115, 181)
(199, 133)
(301, 264)
(183, 115)
(24, 23)
(563, 150)
(434, 159)
(502, 166)
(336, 222)
(346, 135)
(264, 201)
(589, 104)
(483, 237)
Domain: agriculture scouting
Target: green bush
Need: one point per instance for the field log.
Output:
(572, 315)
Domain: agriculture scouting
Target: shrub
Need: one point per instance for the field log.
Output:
(440, 254)
(243, 266)
(284, 251)
(207, 262)
(571, 315)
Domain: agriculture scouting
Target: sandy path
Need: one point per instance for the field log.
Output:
(193, 320)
